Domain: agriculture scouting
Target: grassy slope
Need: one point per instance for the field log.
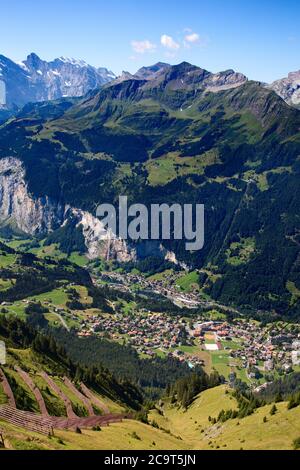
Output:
(188, 424)
(32, 362)
(188, 281)
(179, 429)
(251, 432)
(3, 397)
(119, 436)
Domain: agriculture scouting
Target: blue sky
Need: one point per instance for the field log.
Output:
(260, 38)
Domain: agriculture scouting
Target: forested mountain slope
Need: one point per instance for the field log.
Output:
(176, 138)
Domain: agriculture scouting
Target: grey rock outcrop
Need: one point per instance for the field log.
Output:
(40, 216)
(33, 216)
(288, 88)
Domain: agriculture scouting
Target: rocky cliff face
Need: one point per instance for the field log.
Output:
(224, 81)
(98, 242)
(40, 216)
(37, 80)
(33, 216)
(288, 88)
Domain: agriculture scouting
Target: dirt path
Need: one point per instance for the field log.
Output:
(35, 390)
(79, 395)
(63, 322)
(7, 390)
(60, 393)
(94, 400)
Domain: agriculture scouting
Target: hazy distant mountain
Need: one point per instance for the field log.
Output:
(37, 80)
(288, 88)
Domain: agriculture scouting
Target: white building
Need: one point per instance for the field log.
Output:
(296, 358)
(269, 365)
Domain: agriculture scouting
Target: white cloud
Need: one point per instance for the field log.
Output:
(192, 38)
(140, 47)
(169, 43)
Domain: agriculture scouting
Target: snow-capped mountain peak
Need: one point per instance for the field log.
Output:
(35, 79)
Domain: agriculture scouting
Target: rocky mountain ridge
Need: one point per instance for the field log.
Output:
(35, 80)
(288, 88)
(185, 76)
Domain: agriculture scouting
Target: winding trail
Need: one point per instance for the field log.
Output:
(63, 322)
(35, 390)
(7, 390)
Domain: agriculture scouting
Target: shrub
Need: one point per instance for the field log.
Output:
(296, 444)
(154, 425)
(96, 428)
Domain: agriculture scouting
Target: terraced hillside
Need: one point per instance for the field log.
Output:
(47, 397)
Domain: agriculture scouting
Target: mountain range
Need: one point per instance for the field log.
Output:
(168, 134)
(35, 79)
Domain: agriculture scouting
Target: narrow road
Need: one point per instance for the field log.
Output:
(61, 320)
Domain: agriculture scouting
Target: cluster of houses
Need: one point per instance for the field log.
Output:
(144, 331)
(253, 346)
(256, 347)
